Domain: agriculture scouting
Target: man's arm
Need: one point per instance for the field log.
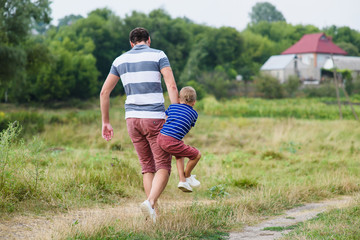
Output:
(170, 84)
(109, 84)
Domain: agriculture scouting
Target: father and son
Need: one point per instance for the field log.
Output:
(155, 133)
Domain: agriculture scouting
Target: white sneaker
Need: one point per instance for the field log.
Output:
(148, 211)
(193, 181)
(184, 186)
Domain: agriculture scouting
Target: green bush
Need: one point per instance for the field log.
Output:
(217, 83)
(292, 85)
(76, 117)
(322, 90)
(269, 87)
(31, 122)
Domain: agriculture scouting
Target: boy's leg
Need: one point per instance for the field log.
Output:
(191, 165)
(180, 168)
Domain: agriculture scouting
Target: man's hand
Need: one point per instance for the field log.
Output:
(110, 82)
(107, 131)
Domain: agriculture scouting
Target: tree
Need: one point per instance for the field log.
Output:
(346, 35)
(68, 20)
(349, 48)
(264, 11)
(257, 49)
(17, 17)
(216, 83)
(212, 48)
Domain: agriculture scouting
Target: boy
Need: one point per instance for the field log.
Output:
(180, 119)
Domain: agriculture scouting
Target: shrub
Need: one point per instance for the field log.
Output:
(269, 87)
(292, 85)
(217, 83)
(322, 90)
(31, 122)
(76, 117)
(218, 192)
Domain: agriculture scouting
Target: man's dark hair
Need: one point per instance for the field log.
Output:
(138, 35)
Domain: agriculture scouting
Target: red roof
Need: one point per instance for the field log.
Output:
(315, 43)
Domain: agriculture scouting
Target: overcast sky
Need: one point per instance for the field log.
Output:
(217, 13)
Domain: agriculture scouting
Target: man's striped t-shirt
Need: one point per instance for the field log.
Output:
(139, 70)
(181, 117)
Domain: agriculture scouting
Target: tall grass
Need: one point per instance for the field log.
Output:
(250, 167)
(301, 108)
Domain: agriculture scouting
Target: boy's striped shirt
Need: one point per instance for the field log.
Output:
(181, 117)
(139, 70)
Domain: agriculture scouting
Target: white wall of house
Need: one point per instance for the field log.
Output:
(312, 70)
(306, 58)
(321, 59)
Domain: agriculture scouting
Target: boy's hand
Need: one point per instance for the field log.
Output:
(107, 131)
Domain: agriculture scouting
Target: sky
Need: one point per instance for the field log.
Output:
(217, 13)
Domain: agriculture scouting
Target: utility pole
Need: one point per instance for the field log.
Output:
(349, 102)
(337, 88)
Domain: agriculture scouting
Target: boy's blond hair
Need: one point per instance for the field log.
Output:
(187, 94)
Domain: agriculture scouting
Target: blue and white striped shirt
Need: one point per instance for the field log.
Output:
(139, 70)
(181, 117)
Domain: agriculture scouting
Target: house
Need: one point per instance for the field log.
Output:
(306, 59)
(283, 66)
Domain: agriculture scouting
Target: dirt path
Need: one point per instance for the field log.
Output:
(40, 227)
(291, 217)
(58, 226)
(55, 227)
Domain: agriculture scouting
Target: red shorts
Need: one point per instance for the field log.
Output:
(176, 147)
(143, 133)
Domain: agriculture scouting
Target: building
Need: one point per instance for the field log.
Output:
(283, 66)
(307, 58)
(344, 62)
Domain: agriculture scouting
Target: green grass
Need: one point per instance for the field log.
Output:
(279, 229)
(301, 108)
(189, 223)
(335, 224)
(251, 167)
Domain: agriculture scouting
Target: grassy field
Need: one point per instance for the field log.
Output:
(251, 167)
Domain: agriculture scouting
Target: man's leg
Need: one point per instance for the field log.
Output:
(158, 185)
(191, 165)
(147, 181)
(162, 159)
(143, 150)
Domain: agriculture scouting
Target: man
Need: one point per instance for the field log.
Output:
(140, 70)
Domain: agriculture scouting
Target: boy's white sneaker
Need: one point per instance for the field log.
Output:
(193, 181)
(148, 211)
(185, 187)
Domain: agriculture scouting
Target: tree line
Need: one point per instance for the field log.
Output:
(45, 63)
